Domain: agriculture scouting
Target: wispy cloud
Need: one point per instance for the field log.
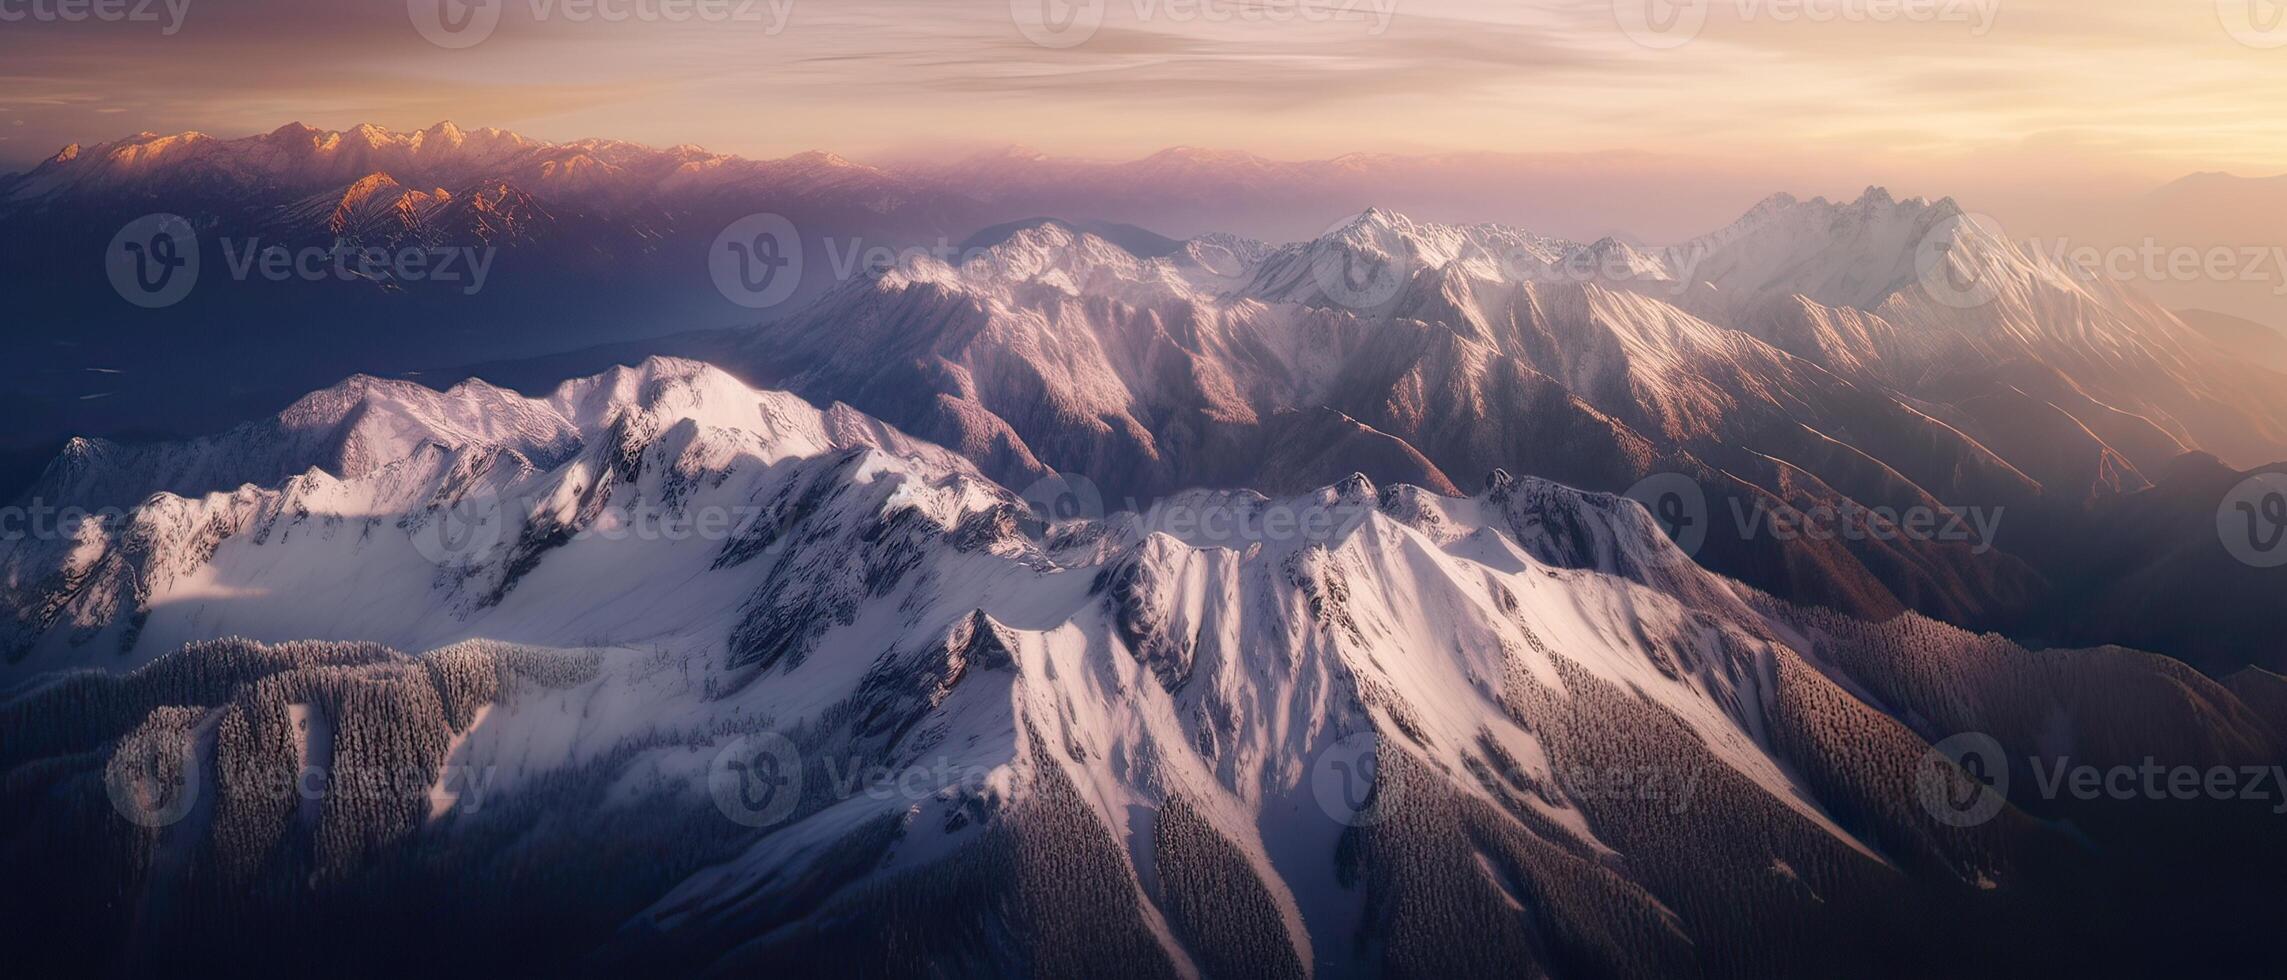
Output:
(2000, 81)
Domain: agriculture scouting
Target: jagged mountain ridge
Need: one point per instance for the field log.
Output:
(2087, 384)
(1481, 346)
(1134, 708)
(1597, 363)
(526, 475)
(1938, 302)
(298, 159)
(595, 206)
(1814, 356)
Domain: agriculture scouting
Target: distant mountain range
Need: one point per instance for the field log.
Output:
(592, 241)
(580, 243)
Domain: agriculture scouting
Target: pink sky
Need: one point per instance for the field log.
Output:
(1999, 99)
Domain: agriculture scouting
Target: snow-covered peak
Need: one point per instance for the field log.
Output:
(661, 392)
(1390, 233)
(673, 453)
(1014, 152)
(365, 424)
(1368, 261)
(1068, 261)
(443, 133)
(1855, 253)
(303, 160)
(822, 158)
(1223, 164)
(470, 412)
(374, 203)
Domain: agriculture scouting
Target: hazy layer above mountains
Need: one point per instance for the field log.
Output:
(605, 240)
(1190, 190)
(1812, 356)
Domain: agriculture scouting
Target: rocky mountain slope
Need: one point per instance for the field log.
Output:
(1799, 363)
(882, 714)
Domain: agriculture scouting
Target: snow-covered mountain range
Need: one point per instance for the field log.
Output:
(1361, 728)
(2074, 381)
(1812, 358)
(1411, 598)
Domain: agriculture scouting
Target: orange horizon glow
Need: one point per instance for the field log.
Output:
(2019, 106)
